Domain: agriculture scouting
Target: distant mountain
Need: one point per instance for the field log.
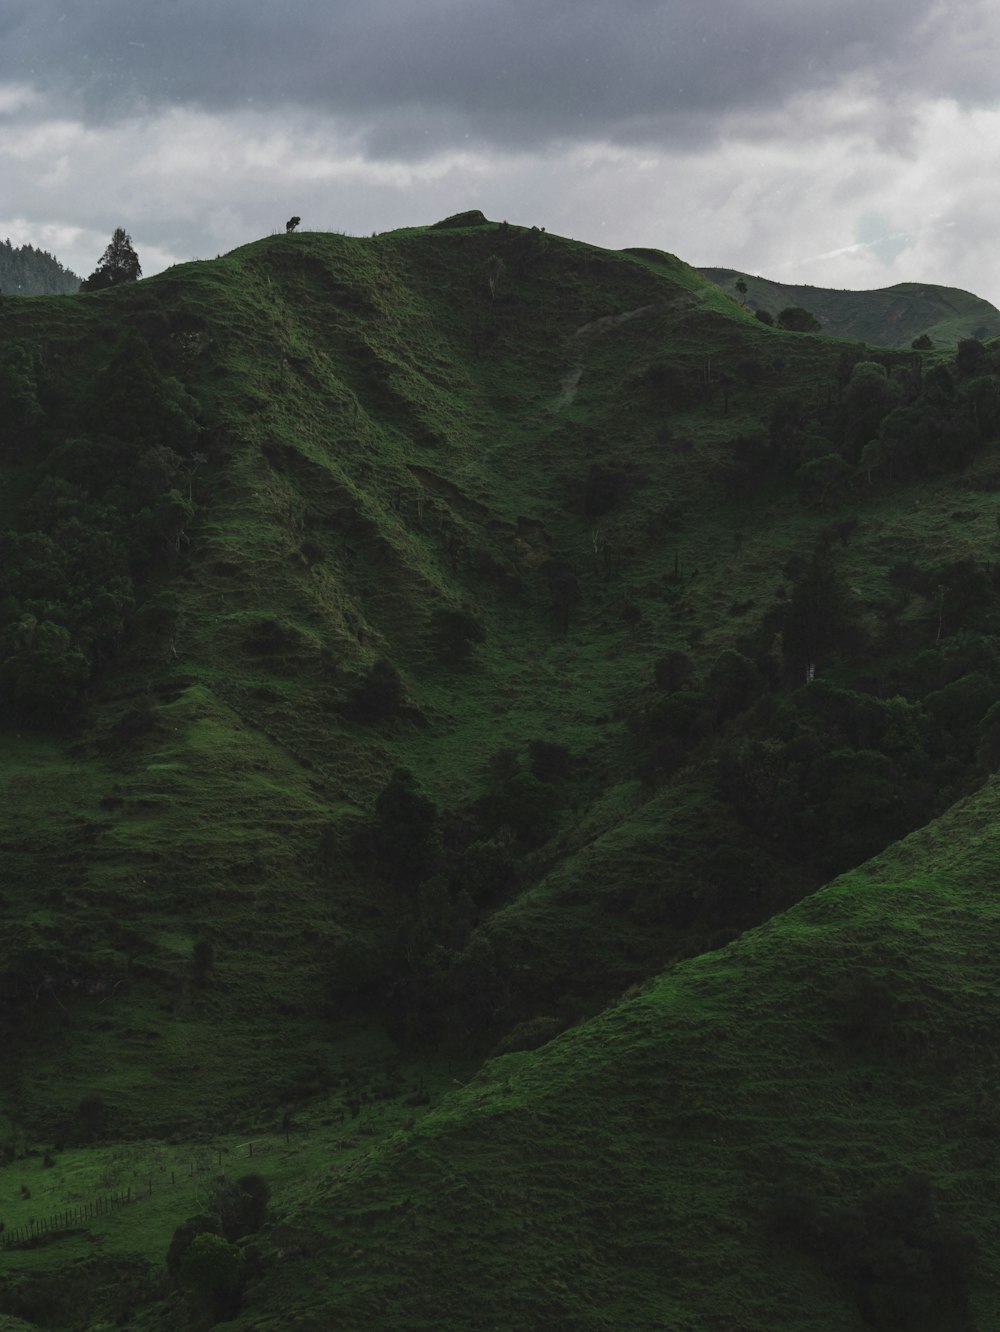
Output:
(25, 271)
(889, 317)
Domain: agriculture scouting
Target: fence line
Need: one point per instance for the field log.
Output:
(20, 1237)
(24, 1236)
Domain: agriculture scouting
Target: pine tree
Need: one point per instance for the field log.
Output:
(25, 271)
(119, 263)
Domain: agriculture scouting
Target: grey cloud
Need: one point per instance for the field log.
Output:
(520, 74)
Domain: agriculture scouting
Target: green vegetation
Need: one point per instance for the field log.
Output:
(119, 263)
(25, 271)
(439, 674)
(915, 314)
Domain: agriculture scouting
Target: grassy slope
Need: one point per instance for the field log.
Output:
(376, 433)
(367, 396)
(889, 317)
(624, 1175)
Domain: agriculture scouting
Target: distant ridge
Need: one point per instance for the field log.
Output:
(25, 271)
(888, 317)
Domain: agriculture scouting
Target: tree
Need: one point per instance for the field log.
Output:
(970, 357)
(673, 671)
(869, 397)
(118, 264)
(797, 320)
(292, 223)
(405, 828)
(741, 287)
(456, 632)
(820, 618)
(381, 695)
(211, 1272)
(241, 1206)
(494, 272)
(183, 1237)
(821, 480)
(765, 317)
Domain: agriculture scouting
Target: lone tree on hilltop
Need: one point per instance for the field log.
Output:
(292, 223)
(119, 264)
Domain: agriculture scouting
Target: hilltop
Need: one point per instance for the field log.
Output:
(889, 317)
(440, 672)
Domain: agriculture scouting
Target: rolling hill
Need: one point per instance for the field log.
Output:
(497, 742)
(890, 317)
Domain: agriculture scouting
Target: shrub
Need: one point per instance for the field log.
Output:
(672, 671)
(183, 1236)
(548, 759)
(733, 683)
(605, 487)
(456, 632)
(241, 1206)
(487, 871)
(211, 1273)
(405, 827)
(92, 1117)
(527, 807)
(970, 357)
(381, 695)
(797, 320)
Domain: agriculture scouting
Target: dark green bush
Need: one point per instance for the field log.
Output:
(241, 1205)
(548, 759)
(672, 671)
(381, 695)
(405, 827)
(184, 1234)
(455, 634)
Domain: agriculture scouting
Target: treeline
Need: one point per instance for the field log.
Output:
(887, 418)
(25, 271)
(106, 472)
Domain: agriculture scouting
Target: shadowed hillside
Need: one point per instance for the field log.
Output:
(892, 317)
(412, 645)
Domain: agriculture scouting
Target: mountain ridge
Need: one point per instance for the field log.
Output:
(887, 316)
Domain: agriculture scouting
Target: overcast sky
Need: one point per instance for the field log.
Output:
(844, 143)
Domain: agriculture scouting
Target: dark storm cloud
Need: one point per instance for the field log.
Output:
(522, 73)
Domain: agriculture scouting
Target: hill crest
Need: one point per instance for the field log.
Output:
(885, 317)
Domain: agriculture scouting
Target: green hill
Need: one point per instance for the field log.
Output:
(466, 642)
(784, 1133)
(891, 317)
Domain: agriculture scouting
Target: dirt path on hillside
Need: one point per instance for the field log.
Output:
(585, 334)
